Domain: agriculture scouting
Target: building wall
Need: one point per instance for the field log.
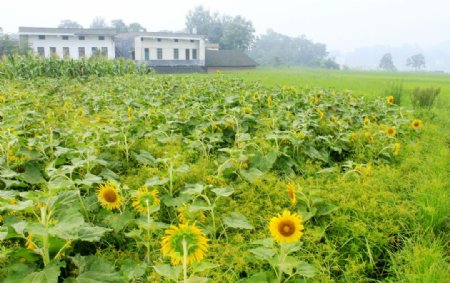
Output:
(73, 43)
(168, 45)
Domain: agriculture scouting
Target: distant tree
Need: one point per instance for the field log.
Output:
(330, 63)
(8, 46)
(277, 49)
(237, 34)
(229, 32)
(136, 27)
(416, 61)
(119, 25)
(98, 22)
(386, 63)
(69, 24)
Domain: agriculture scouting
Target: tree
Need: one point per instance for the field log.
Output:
(229, 32)
(98, 22)
(119, 25)
(237, 34)
(8, 46)
(416, 61)
(136, 27)
(69, 24)
(277, 49)
(386, 63)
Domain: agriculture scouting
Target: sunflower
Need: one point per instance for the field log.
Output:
(144, 199)
(369, 137)
(396, 149)
(390, 99)
(172, 243)
(417, 124)
(109, 196)
(390, 131)
(291, 192)
(29, 244)
(286, 228)
(366, 121)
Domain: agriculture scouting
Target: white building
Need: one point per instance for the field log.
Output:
(163, 48)
(72, 43)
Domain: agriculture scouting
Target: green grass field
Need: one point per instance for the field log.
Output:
(94, 170)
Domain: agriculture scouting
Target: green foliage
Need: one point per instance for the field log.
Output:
(386, 63)
(221, 152)
(30, 66)
(275, 49)
(424, 97)
(395, 89)
(416, 61)
(229, 32)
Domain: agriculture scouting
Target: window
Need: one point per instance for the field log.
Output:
(175, 54)
(194, 54)
(81, 52)
(94, 50)
(65, 37)
(53, 51)
(176, 40)
(146, 54)
(41, 37)
(101, 37)
(105, 51)
(81, 37)
(192, 41)
(41, 51)
(159, 53)
(187, 53)
(158, 39)
(66, 52)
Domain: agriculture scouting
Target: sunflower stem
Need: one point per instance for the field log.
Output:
(148, 232)
(185, 253)
(282, 258)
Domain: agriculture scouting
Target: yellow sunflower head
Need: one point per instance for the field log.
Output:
(390, 99)
(390, 131)
(291, 192)
(286, 228)
(144, 199)
(29, 244)
(109, 196)
(396, 149)
(172, 243)
(417, 124)
(366, 121)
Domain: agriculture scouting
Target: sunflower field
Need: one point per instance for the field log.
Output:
(151, 178)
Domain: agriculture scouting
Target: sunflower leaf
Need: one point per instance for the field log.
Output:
(49, 274)
(263, 253)
(237, 220)
(203, 266)
(166, 270)
(93, 269)
(305, 269)
(223, 192)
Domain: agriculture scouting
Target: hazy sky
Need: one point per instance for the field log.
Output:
(341, 24)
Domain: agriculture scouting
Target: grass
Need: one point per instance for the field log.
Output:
(424, 256)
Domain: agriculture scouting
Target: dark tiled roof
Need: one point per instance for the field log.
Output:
(228, 58)
(75, 31)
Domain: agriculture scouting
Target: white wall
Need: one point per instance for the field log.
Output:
(73, 43)
(168, 45)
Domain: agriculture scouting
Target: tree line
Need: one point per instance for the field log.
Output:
(416, 62)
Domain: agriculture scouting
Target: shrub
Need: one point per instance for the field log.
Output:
(424, 97)
(395, 89)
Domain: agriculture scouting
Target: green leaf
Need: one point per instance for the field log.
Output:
(193, 189)
(119, 221)
(144, 157)
(32, 175)
(71, 226)
(155, 181)
(108, 174)
(8, 195)
(199, 204)
(89, 180)
(166, 270)
(183, 169)
(175, 202)
(237, 220)
(132, 270)
(251, 175)
(264, 162)
(305, 269)
(60, 183)
(93, 269)
(287, 266)
(203, 266)
(21, 205)
(223, 192)
(267, 242)
(260, 277)
(196, 279)
(19, 227)
(325, 209)
(263, 253)
(49, 274)
(3, 233)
